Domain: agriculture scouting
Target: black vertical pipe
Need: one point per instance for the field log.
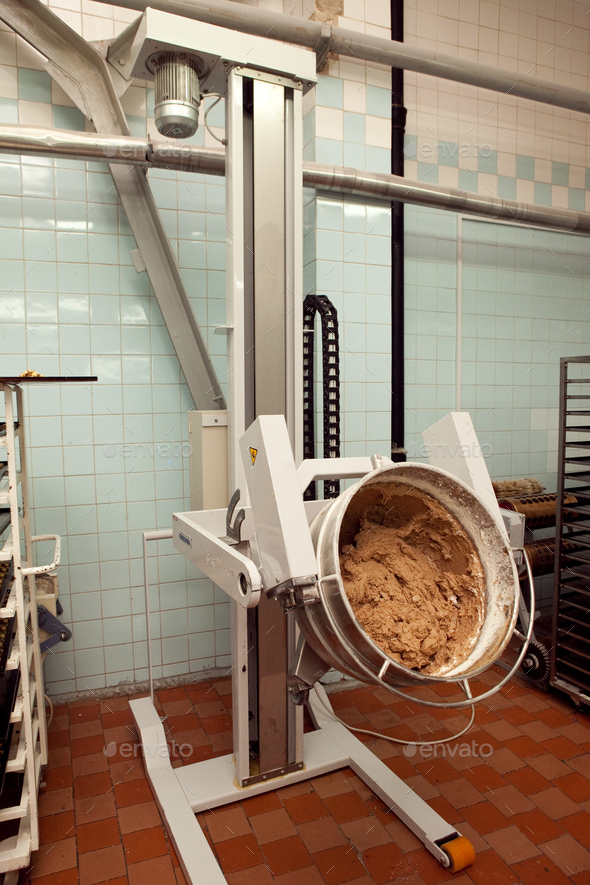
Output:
(398, 128)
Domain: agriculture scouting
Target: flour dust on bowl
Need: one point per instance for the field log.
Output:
(417, 582)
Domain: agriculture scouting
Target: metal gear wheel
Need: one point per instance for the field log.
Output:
(537, 662)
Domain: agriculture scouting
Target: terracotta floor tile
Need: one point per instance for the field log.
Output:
(259, 875)
(139, 817)
(509, 800)
(555, 803)
(348, 806)
(180, 692)
(132, 793)
(59, 756)
(517, 715)
(87, 745)
(550, 766)
(437, 771)
(158, 870)
(361, 787)
(331, 784)
(365, 833)
(305, 808)
(581, 764)
(477, 840)
(237, 854)
(55, 801)
(527, 780)
(427, 867)
(144, 844)
(261, 804)
(554, 718)
(319, 835)
(537, 826)
(226, 823)
(79, 730)
(92, 764)
(538, 731)
(295, 790)
(489, 868)
(222, 742)
(579, 827)
(95, 808)
(57, 778)
(443, 807)
(484, 817)
(504, 760)
(54, 827)
(502, 730)
(540, 871)
(53, 858)
(460, 793)
(401, 766)
(84, 713)
(402, 836)
(286, 855)
(512, 845)
(575, 732)
(184, 706)
(524, 747)
(272, 825)
(120, 734)
(129, 770)
(338, 865)
(102, 865)
(484, 778)
(306, 876)
(576, 786)
(65, 877)
(562, 748)
(387, 862)
(533, 703)
(412, 879)
(206, 709)
(92, 785)
(108, 705)
(118, 717)
(422, 787)
(99, 834)
(567, 854)
(216, 723)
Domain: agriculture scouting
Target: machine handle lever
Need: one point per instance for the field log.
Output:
(233, 529)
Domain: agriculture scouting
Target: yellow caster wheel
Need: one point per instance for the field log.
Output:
(460, 852)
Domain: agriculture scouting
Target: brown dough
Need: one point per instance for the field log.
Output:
(412, 577)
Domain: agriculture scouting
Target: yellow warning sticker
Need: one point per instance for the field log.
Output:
(253, 453)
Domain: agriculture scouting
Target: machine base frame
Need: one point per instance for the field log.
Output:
(181, 792)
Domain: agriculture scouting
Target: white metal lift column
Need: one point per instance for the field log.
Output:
(265, 365)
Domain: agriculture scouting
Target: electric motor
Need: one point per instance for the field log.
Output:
(177, 95)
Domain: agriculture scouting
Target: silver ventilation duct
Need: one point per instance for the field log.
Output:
(177, 95)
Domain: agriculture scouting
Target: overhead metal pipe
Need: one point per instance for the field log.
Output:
(289, 29)
(380, 187)
(126, 149)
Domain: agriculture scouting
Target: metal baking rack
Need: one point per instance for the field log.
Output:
(23, 730)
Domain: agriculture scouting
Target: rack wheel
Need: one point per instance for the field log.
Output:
(460, 852)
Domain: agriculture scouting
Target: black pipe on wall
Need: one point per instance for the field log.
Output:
(398, 128)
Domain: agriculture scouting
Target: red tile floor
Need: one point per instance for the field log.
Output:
(525, 806)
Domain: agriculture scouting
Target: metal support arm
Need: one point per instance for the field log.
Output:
(80, 69)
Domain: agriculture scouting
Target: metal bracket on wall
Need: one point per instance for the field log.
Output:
(52, 625)
(85, 75)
